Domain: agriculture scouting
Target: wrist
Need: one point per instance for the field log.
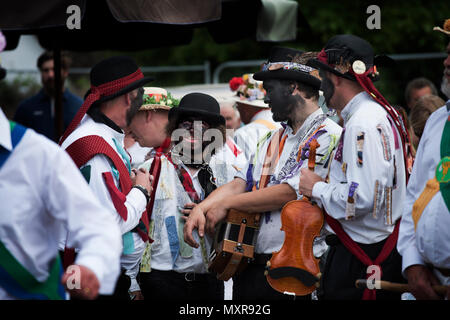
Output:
(144, 191)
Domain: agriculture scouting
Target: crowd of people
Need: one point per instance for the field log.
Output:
(127, 204)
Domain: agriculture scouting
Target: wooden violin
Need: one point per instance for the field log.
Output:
(294, 269)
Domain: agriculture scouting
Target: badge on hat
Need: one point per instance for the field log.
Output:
(359, 67)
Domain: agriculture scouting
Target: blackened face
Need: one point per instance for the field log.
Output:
(327, 88)
(280, 99)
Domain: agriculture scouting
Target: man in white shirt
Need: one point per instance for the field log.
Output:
(365, 190)
(424, 238)
(41, 192)
(170, 269)
(292, 94)
(95, 141)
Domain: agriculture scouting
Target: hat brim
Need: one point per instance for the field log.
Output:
(146, 107)
(255, 103)
(320, 65)
(137, 84)
(283, 74)
(211, 118)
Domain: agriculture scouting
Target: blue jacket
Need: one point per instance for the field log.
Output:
(35, 112)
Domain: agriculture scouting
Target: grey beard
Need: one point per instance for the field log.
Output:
(445, 87)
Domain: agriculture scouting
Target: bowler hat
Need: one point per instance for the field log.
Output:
(110, 78)
(116, 69)
(286, 64)
(198, 104)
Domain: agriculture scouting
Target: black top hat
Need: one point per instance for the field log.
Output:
(343, 53)
(198, 104)
(284, 64)
(112, 69)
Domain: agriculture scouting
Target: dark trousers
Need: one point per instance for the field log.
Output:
(171, 285)
(342, 269)
(121, 291)
(251, 284)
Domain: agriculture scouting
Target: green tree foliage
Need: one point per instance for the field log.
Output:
(406, 27)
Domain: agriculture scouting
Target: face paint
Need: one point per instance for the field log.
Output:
(280, 99)
(327, 88)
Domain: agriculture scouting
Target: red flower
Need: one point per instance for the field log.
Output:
(235, 82)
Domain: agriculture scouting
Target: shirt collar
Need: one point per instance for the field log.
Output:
(448, 105)
(5, 132)
(100, 117)
(353, 105)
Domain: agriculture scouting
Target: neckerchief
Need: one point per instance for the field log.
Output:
(188, 186)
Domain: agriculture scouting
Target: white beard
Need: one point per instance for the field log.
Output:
(445, 87)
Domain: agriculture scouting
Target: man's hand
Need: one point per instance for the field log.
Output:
(196, 220)
(186, 211)
(144, 179)
(88, 282)
(420, 280)
(307, 181)
(214, 215)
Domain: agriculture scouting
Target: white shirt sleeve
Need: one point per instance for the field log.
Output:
(334, 195)
(92, 229)
(406, 244)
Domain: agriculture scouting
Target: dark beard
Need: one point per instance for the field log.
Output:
(286, 113)
(136, 103)
(327, 88)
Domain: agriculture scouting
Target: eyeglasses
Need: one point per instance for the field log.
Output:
(191, 124)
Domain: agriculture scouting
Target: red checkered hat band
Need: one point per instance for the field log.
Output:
(105, 89)
(112, 87)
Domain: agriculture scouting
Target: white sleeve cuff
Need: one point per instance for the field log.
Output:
(411, 257)
(137, 198)
(319, 189)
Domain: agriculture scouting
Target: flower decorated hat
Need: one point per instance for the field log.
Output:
(158, 98)
(248, 90)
